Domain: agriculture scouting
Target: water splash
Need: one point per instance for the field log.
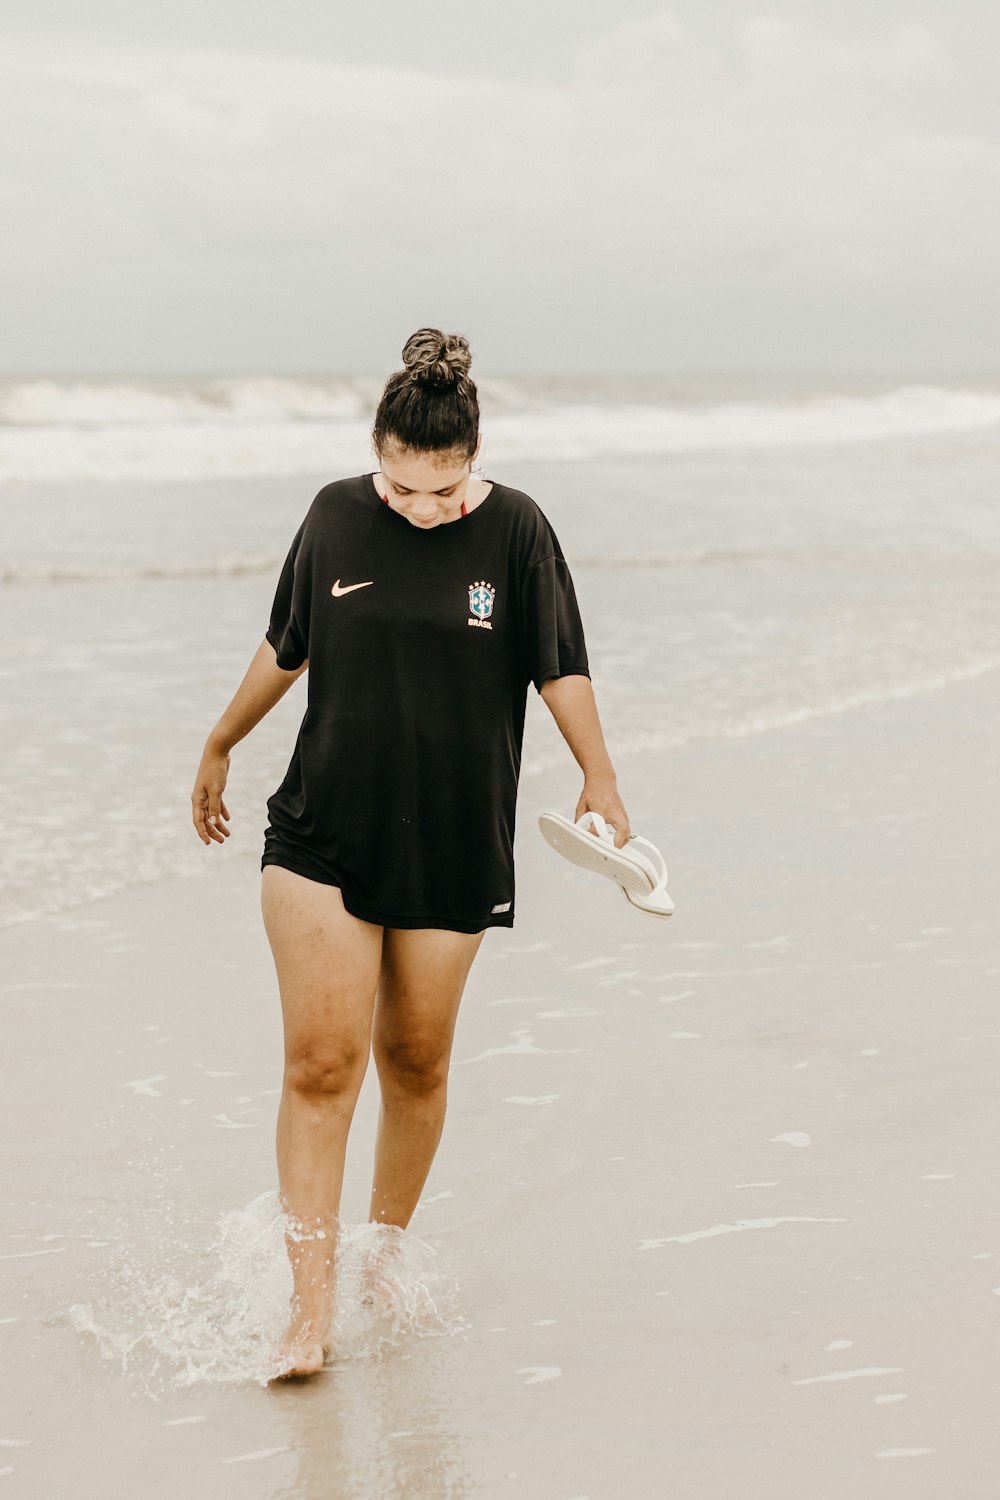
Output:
(174, 1318)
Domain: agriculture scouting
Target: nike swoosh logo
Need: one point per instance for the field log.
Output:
(349, 588)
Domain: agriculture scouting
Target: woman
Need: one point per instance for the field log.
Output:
(423, 602)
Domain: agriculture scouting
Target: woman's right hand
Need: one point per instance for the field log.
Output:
(209, 812)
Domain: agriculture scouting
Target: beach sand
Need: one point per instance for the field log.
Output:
(715, 1205)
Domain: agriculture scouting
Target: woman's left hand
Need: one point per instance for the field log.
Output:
(602, 797)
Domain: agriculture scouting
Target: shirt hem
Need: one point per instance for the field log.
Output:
(411, 923)
(406, 920)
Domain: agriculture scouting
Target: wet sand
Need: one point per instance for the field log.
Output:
(716, 1196)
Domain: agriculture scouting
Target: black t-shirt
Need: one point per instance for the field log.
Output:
(421, 644)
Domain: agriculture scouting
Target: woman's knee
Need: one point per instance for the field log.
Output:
(326, 1071)
(415, 1064)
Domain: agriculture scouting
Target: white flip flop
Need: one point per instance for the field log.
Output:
(642, 876)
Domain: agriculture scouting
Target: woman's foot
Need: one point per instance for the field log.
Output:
(304, 1346)
(375, 1295)
(380, 1272)
(306, 1340)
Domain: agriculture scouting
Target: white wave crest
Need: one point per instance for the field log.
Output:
(260, 427)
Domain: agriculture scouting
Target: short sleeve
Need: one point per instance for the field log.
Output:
(288, 630)
(551, 626)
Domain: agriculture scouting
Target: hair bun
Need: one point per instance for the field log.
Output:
(437, 360)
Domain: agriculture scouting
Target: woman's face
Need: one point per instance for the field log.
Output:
(427, 491)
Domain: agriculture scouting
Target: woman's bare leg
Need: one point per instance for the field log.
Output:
(327, 964)
(420, 988)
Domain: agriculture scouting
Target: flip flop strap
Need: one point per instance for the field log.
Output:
(658, 864)
(655, 857)
(603, 831)
(652, 861)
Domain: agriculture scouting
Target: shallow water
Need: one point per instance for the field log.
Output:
(709, 1202)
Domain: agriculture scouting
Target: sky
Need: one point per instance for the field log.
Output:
(575, 185)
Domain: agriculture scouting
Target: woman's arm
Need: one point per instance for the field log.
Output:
(570, 700)
(262, 686)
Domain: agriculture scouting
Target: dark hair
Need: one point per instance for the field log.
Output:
(431, 406)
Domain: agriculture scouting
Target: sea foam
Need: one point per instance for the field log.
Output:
(267, 426)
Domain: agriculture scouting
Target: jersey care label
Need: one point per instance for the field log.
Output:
(481, 597)
(501, 906)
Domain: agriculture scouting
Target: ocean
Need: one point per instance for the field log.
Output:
(747, 551)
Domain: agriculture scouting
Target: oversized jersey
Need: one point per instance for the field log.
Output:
(421, 644)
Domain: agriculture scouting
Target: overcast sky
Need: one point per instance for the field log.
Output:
(573, 184)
